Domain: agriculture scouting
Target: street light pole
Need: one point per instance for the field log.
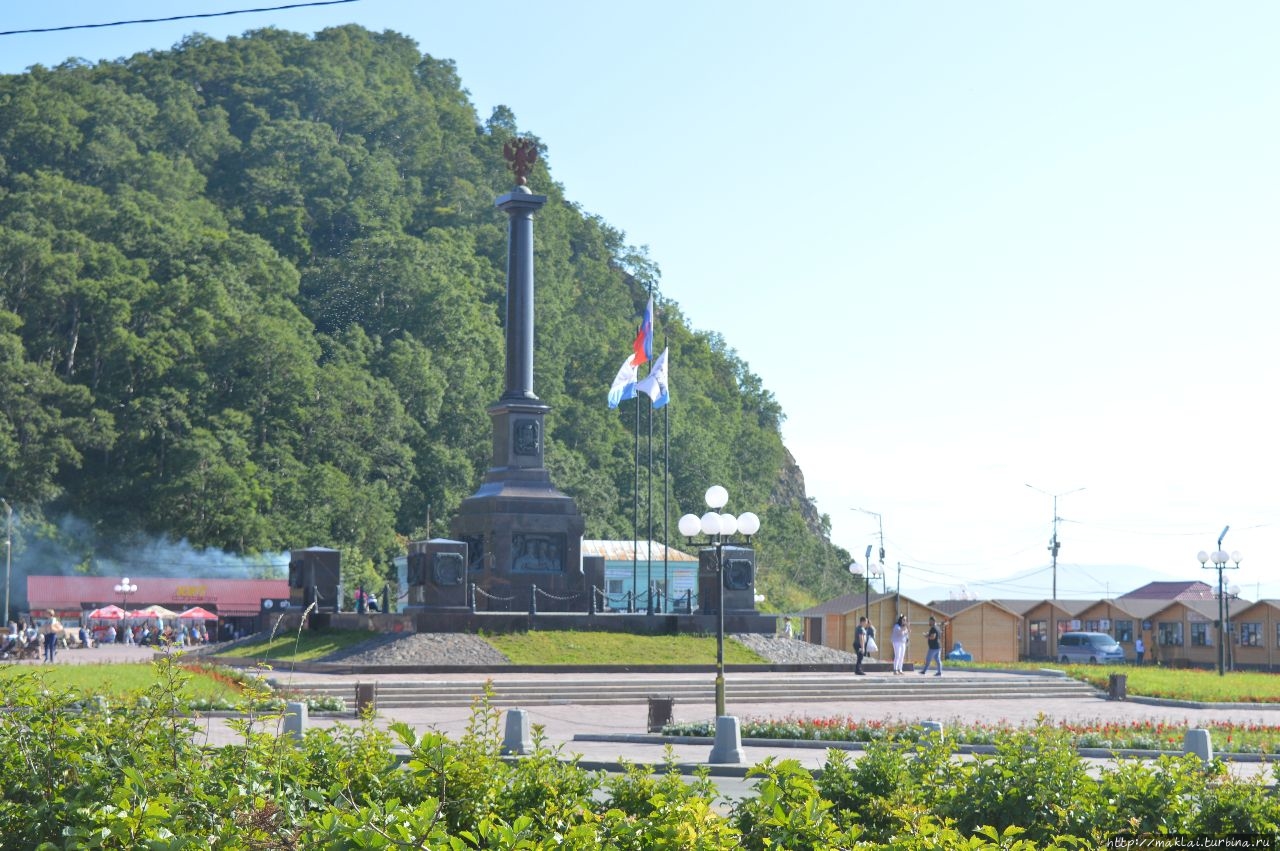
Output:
(1220, 559)
(866, 573)
(1053, 541)
(719, 528)
(124, 588)
(1233, 593)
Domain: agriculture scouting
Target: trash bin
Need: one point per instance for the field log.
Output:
(1117, 685)
(366, 698)
(661, 712)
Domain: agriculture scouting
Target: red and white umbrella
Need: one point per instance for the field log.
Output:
(198, 613)
(108, 613)
(156, 611)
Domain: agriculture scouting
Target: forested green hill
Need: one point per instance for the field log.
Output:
(251, 295)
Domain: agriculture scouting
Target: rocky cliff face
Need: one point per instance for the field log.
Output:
(790, 491)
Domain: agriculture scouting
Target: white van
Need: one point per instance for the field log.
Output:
(1091, 647)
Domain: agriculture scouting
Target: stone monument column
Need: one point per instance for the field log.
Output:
(520, 204)
(520, 530)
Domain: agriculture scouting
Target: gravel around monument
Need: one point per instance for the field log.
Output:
(793, 651)
(450, 648)
(421, 648)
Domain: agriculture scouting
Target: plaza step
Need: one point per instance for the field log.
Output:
(615, 690)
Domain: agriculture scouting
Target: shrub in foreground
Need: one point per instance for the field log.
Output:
(79, 775)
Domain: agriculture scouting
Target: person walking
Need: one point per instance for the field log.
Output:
(899, 640)
(860, 645)
(934, 637)
(51, 632)
(1139, 650)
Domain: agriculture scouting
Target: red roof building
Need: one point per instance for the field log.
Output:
(1193, 590)
(226, 597)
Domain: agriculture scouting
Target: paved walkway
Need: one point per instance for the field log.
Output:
(561, 723)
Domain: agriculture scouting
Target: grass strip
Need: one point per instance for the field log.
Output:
(122, 679)
(566, 647)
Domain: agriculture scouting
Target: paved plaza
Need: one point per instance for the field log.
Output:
(563, 724)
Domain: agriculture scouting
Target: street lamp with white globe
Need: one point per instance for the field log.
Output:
(1219, 557)
(124, 588)
(718, 529)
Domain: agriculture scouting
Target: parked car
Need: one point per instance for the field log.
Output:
(1093, 647)
(959, 654)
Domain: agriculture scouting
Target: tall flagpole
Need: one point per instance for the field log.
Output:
(648, 468)
(648, 471)
(666, 490)
(635, 512)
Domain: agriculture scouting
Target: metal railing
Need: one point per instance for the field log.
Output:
(599, 601)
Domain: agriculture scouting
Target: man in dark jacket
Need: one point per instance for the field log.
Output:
(934, 637)
(860, 645)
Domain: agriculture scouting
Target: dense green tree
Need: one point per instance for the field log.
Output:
(45, 424)
(251, 295)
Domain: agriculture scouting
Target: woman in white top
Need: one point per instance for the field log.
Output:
(899, 640)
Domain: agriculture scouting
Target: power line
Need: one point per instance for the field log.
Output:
(983, 563)
(1007, 582)
(1196, 531)
(964, 578)
(176, 17)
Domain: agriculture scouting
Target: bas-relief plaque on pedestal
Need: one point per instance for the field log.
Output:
(537, 553)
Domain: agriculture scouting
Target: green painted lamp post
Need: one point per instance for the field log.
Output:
(718, 529)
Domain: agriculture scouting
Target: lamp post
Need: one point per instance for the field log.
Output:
(1054, 545)
(1220, 559)
(8, 555)
(718, 528)
(124, 588)
(1233, 593)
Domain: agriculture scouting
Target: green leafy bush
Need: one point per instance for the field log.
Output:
(787, 811)
(1035, 780)
(82, 773)
(1234, 806)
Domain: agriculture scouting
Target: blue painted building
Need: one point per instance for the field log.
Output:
(631, 568)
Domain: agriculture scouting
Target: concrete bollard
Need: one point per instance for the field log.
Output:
(517, 739)
(932, 727)
(1198, 742)
(727, 749)
(295, 719)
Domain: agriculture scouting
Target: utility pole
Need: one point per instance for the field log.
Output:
(1054, 544)
(884, 575)
(880, 522)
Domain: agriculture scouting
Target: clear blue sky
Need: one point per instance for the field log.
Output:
(968, 246)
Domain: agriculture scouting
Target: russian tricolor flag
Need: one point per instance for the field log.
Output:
(625, 383)
(643, 345)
